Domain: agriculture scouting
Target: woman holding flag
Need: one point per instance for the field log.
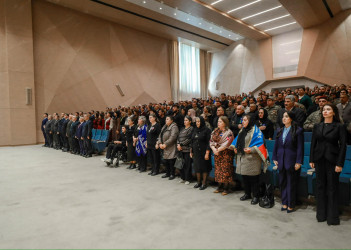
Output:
(140, 144)
(250, 154)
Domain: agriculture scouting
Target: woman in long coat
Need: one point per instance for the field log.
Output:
(200, 152)
(221, 138)
(167, 141)
(131, 155)
(249, 159)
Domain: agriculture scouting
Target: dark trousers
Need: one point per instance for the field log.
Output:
(142, 162)
(57, 141)
(87, 146)
(49, 139)
(81, 147)
(112, 150)
(155, 158)
(170, 169)
(251, 184)
(75, 145)
(45, 137)
(288, 179)
(327, 185)
(185, 172)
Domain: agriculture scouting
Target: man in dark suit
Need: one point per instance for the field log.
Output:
(237, 119)
(48, 131)
(55, 132)
(43, 129)
(63, 133)
(86, 135)
(74, 139)
(79, 136)
(300, 116)
(220, 112)
(68, 133)
(178, 118)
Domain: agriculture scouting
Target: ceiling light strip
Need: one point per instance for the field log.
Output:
(271, 20)
(243, 6)
(280, 26)
(216, 2)
(259, 13)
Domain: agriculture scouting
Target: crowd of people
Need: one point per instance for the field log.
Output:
(183, 135)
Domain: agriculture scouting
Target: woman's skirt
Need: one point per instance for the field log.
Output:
(131, 155)
(224, 169)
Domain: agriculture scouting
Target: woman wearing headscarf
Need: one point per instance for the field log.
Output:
(153, 131)
(221, 138)
(183, 146)
(167, 141)
(192, 114)
(140, 143)
(249, 157)
(131, 155)
(264, 124)
(288, 157)
(200, 152)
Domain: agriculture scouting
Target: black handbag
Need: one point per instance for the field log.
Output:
(179, 163)
(267, 201)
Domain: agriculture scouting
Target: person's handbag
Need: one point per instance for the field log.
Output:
(267, 201)
(179, 163)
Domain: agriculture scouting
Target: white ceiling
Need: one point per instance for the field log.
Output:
(250, 12)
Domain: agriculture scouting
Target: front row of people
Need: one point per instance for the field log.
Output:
(195, 142)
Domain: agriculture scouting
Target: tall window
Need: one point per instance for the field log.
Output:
(189, 72)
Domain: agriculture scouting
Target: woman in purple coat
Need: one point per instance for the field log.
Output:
(288, 157)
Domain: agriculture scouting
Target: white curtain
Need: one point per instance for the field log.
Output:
(189, 72)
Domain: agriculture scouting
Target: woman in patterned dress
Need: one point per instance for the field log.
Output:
(221, 139)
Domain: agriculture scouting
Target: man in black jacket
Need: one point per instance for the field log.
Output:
(48, 131)
(290, 106)
(220, 112)
(178, 118)
(73, 130)
(237, 119)
(86, 134)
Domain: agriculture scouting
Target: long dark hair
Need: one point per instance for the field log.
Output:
(336, 117)
(293, 127)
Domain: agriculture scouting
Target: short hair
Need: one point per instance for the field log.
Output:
(170, 117)
(291, 97)
(143, 118)
(302, 88)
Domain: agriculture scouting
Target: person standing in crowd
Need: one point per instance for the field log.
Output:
(56, 133)
(177, 117)
(183, 146)
(153, 131)
(219, 113)
(272, 110)
(107, 121)
(86, 135)
(131, 154)
(236, 120)
(161, 117)
(221, 138)
(280, 100)
(288, 157)
(79, 136)
(230, 110)
(75, 142)
(249, 158)
(48, 131)
(316, 116)
(68, 133)
(140, 143)
(344, 108)
(327, 156)
(264, 124)
(290, 106)
(115, 126)
(303, 98)
(115, 146)
(200, 152)
(101, 121)
(167, 142)
(43, 122)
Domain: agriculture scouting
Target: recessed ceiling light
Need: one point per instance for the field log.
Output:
(271, 20)
(188, 19)
(175, 14)
(280, 26)
(160, 8)
(218, 1)
(144, 1)
(200, 23)
(220, 31)
(290, 42)
(230, 35)
(244, 6)
(259, 13)
(210, 28)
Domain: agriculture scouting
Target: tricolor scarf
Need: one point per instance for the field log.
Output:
(140, 147)
(257, 143)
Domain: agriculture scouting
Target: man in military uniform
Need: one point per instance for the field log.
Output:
(272, 110)
(316, 116)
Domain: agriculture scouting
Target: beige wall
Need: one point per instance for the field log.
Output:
(16, 73)
(79, 59)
